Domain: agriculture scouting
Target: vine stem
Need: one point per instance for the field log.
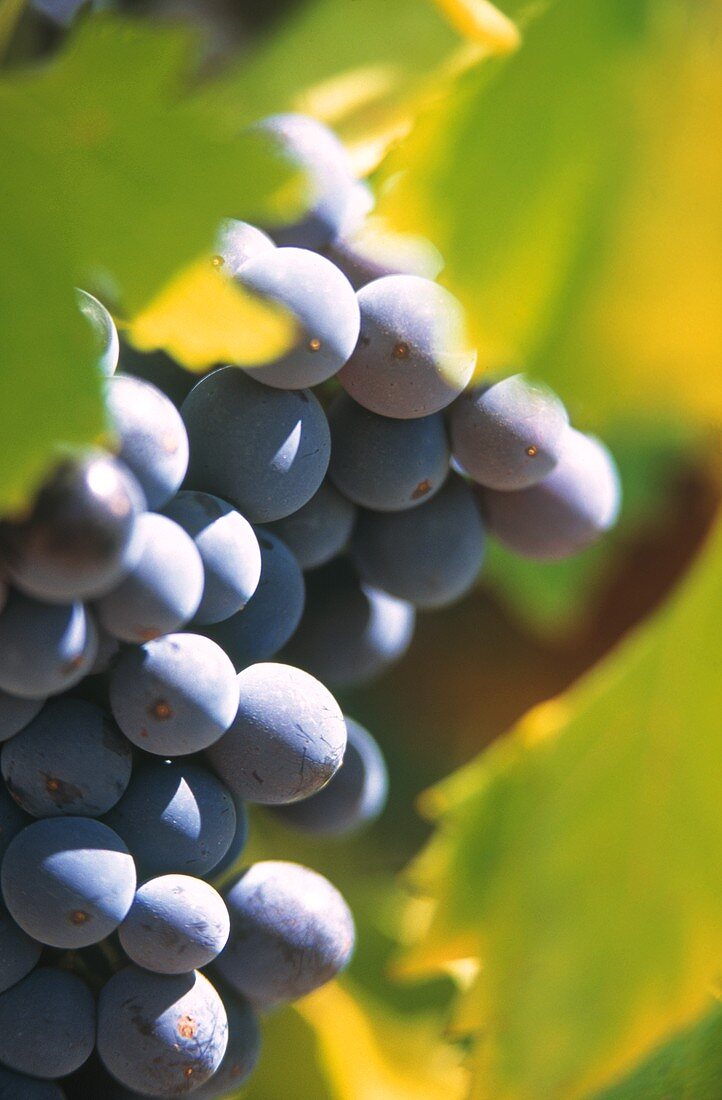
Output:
(10, 12)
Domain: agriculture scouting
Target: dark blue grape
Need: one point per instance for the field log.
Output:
(15, 713)
(242, 1052)
(228, 548)
(17, 1086)
(70, 760)
(509, 434)
(47, 1023)
(273, 612)
(287, 739)
(104, 331)
(567, 511)
(44, 648)
(430, 555)
(238, 844)
(68, 881)
(152, 438)
(237, 242)
(76, 541)
(319, 530)
(371, 252)
(107, 651)
(175, 695)
(163, 589)
(160, 370)
(12, 819)
(384, 464)
(161, 1034)
(19, 954)
(352, 798)
(175, 817)
(176, 923)
(324, 308)
(291, 932)
(311, 148)
(350, 632)
(411, 358)
(264, 450)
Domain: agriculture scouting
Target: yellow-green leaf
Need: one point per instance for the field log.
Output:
(578, 859)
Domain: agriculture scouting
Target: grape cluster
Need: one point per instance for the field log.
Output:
(171, 607)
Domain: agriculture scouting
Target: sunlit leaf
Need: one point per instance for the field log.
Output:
(578, 860)
(482, 22)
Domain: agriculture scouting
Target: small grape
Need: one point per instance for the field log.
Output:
(319, 530)
(163, 589)
(17, 1086)
(411, 359)
(237, 242)
(242, 1052)
(176, 923)
(19, 954)
(287, 739)
(174, 695)
(44, 648)
(104, 331)
(15, 713)
(264, 450)
(47, 1024)
(291, 931)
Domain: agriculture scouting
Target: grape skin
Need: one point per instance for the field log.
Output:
(319, 530)
(177, 923)
(324, 308)
(174, 695)
(237, 845)
(15, 713)
(162, 591)
(47, 1023)
(237, 242)
(176, 816)
(161, 1034)
(350, 632)
(287, 739)
(16, 1086)
(314, 150)
(272, 614)
(153, 442)
(242, 1052)
(352, 798)
(44, 648)
(384, 464)
(12, 819)
(19, 954)
(411, 359)
(564, 514)
(68, 881)
(228, 548)
(70, 760)
(264, 450)
(291, 932)
(76, 542)
(430, 555)
(104, 331)
(508, 435)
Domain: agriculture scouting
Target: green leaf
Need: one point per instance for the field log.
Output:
(573, 189)
(688, 1067)
(114, 177)
(578, 860)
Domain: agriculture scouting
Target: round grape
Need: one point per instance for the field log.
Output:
(68, 881)
(430, 555)
(287, 740)
(242, 1052)
(264, 450)
(228, 548)
(44, 648)
(70, 760)
(152, 438)
(12, 819)
(351, 799)
(161, 1034)
(176, 816)
(19, 954)
(411, 359)
(238, 844)
(508, 435)
(104, 331)
(319, 530)
(175, 695)
(350, 632)
(291, 931)
(176, 923)
(237, 242)
(324, 308)
(76, 542)
(273, 612)
(47, 1023)
(162, 591)
(371, 252)
(15, 713)
(16, 1086)
(384, 464)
